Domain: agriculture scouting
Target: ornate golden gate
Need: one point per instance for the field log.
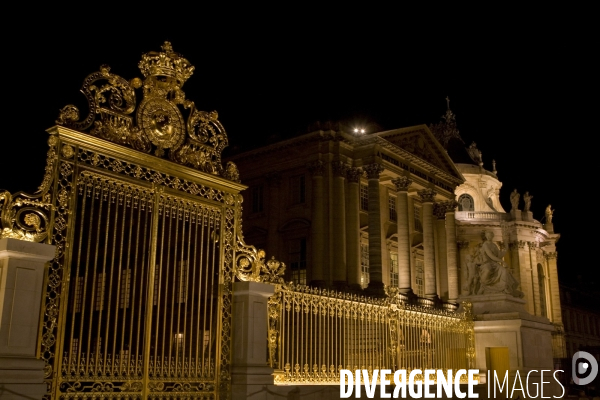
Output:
(138, 298)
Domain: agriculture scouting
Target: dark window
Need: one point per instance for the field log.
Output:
(392, 208)
(297, 255)
(298, 186)
(257, 199)
(542, 283)
(465, 203)
(364, 197)
(418, 224)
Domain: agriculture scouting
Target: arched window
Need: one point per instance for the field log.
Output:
(465, 203)
(542, 284)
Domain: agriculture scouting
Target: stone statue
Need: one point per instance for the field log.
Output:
(492, 275)
(527, 199)
(514, 199)
(549, 213)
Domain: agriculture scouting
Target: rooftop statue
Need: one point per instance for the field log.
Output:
(527, 199)
(549, 214)
(514, 199)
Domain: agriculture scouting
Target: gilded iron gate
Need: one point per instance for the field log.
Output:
(138, 299)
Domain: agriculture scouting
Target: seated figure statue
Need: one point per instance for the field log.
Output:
(494, 277)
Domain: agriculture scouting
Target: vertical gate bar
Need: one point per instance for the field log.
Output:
(179, 283)
(206, 250)
(94, 276)
(155, 198)
(142, 267)
(103, 282)
(211, 268)
(190, 285)
(121, 289)
(173, 263)
(200, 221)
(192, 263)
(76, 289)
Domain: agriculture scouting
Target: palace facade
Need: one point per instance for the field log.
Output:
(406, 208)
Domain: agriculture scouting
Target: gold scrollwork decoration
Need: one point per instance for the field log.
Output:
(24, 217)
(196, 140)
(251, 266)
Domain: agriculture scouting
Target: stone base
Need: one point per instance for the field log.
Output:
(549, 227)
(527, 216)
(515, 215)
(22, 378)
(501, 321)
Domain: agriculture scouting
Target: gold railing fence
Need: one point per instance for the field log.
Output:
(314, 333)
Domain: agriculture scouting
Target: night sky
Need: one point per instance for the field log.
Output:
(520, 88)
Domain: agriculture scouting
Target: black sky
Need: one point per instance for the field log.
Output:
(521, 87)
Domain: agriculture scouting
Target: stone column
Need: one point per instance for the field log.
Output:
(317, 225)
(535, 282)
(463, 252)
(250, 372)
(404, 282)
(339, 225)
(375, 287)
(22, 266)
(427, 197)
(453, 289)
(522, 264)
(353, 228)
(439, 211)
(553, 285)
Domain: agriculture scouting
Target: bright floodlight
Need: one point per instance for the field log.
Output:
(355, 130)
(362, 131)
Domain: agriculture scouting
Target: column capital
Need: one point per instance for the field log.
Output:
(339, 168)
(316, 168)
(427, 195)
(551, 255)
(439, 210)
(532, 245)
(402, 183)
(373, 170)
(450, 205)
(517, 244)
(353, 174)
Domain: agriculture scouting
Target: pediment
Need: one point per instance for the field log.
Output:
(420, 142)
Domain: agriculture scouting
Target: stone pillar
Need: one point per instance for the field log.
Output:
(249, 369)
(375, 287)
(453, 288)
(554, 294)
(535, 282)
(353, 228)
(522, 264)
(317, 225)
(439, 210)
(427, 197)
(339, 225)
(22, 266)
(463, 252)
(404, 281)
